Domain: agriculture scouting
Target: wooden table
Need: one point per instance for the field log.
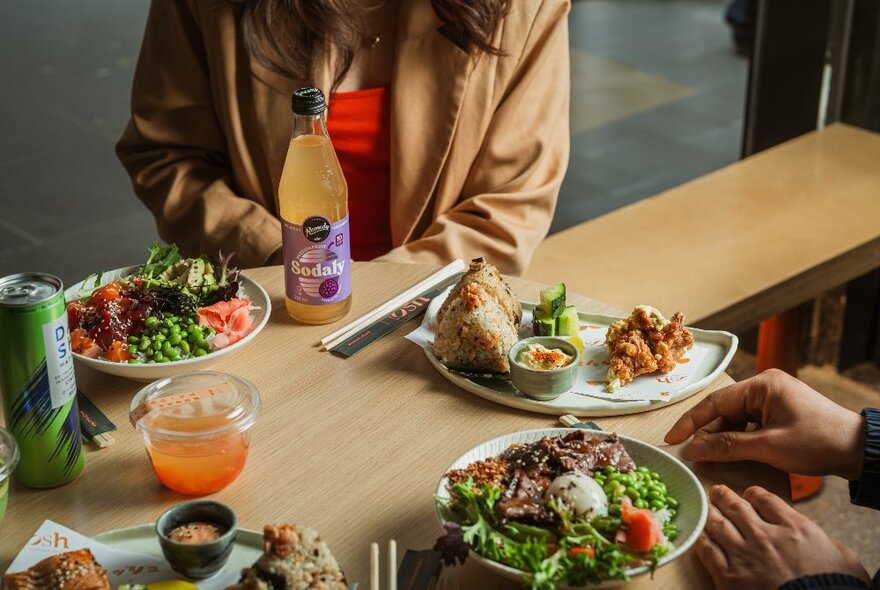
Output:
(737, 246)
(351, 447)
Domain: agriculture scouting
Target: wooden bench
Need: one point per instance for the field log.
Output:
(732, 248)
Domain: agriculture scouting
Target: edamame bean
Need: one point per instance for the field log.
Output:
(174, 339)
(643, 469)
(151, 321)
(134, 361)
(632, 493)
(133, 349)
(133, 339)
(166, 347)
(671, 502)
(655, 476)
(640, 503)
(658, 504)
(614, 509)
(609, 469)
(201, 352)
(159, 357)
(144, 344)
(184, 347)
(156, 346)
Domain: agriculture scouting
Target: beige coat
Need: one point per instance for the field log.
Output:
(478, 148)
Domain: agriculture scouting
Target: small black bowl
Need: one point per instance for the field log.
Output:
(197, 560)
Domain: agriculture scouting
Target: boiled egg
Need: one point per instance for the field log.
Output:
(579, 493)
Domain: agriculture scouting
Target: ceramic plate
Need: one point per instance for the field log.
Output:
(712, 352)
(150, 372)
(681, 484)
(142, 539)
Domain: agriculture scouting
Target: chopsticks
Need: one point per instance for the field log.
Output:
(347, 330)
(392, 565)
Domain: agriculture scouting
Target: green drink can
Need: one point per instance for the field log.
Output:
(37, 380)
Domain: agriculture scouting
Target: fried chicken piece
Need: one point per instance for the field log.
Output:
(643, 343)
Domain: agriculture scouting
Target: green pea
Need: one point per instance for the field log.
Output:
(134, 361)
(658, 504)
(632, 493)
(640, 503)
(145, 343)
(671, 502)
(151, 321)
(174, 338)
(201, 352)
(133, 349)
(159, 357)
(184, 347)
(643, 469)
(614, 509)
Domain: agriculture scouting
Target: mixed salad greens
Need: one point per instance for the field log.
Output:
(171, 308)
(576, 550)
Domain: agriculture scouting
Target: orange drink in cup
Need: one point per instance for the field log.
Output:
(196, 428)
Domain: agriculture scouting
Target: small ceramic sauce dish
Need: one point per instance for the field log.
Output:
(197, 537)
(543, 367)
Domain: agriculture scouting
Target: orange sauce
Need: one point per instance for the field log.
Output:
(199, 465)
(597, 382)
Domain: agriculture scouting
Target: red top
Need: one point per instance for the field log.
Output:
(359, 124)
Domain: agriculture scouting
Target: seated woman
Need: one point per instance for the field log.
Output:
(450, 119)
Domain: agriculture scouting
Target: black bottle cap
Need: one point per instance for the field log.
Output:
(308, 101)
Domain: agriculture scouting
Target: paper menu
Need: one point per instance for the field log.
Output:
(123, 567)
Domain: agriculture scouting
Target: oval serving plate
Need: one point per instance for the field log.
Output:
(680, 481)
(712, 349)
(152, 371)
(141, 538)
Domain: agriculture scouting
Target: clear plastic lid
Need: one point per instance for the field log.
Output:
(8, 454)
(195, 404)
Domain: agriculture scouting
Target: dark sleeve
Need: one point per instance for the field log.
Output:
(826, 582)
(866, 491)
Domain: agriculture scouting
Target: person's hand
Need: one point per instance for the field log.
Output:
(790, 426)
(759, 542)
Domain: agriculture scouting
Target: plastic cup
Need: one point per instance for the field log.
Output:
(8, 461)
(196, 428)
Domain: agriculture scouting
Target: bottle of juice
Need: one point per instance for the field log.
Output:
(313, 200)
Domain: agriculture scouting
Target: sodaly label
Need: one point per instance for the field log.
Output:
(317, 260)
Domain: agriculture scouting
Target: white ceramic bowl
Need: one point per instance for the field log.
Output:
(681, 484)
(151, 371)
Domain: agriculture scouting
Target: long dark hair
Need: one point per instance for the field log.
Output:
(287, 36)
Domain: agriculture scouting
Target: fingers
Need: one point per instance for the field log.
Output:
(729, 402)
(770, 507)
(721, 530)
(736, 510)
(711, 554)
(730, 445)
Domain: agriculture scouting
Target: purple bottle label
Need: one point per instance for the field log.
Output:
(317, 260)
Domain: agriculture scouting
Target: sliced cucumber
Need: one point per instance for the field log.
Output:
(543, 324)
(568, 323)
(553, 300)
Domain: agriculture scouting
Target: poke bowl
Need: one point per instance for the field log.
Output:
(163, 343)
(567, 559)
